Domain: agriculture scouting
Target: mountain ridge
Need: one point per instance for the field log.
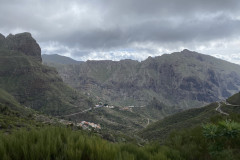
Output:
(192, 79)
(58, 59)
(33, 84)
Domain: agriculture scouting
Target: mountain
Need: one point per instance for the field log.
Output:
(185, 79)
(191, 118)
(22, 42)
(58, 59)
(32, 84)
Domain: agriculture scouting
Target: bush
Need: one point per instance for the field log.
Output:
(63, 143)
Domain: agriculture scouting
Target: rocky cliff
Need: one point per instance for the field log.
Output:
(22, 42)
(32, 84)
(185, 79)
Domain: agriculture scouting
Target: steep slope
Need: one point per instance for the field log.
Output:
(185, 79)
(9, 104)
(192, 118)
(235, 99)
(32, 84)
(13, 115)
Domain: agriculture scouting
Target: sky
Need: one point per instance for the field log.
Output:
(126, 29)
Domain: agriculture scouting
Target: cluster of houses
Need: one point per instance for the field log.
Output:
(106, 106)
(125, 108)
(83, 124)
(88, 125)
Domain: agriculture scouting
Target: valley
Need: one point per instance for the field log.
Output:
(120, 80)
(129, 109)
(192, 79)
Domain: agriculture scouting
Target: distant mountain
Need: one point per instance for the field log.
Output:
(58, 59)
(192, 118)
(31, 84)
(185, 79)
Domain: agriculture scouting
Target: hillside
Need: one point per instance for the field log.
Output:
(123, 120)
(39, 141)
(32, 84)
(28, 83)
(192, 118)
(192, 79)
(14, 116)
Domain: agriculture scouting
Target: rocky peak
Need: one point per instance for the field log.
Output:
(22, 42)
(2, 37)
(2, 40)
(186, 51)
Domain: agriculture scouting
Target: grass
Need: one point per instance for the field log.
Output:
(64, 143)
(235, 99)
(190, 119)
(186, 119)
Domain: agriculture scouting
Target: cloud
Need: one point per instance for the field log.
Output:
(124, 29)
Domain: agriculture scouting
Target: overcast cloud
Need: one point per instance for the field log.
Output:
(119, 29)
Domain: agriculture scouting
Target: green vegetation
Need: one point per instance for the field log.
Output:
(235, 99)
(37, 86)
(189, 119)
(63, 143)
(219, 140)
(186, 119)
(212, 141)
(202, 133)
(8, 102)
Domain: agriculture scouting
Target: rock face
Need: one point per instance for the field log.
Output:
(2, 40)
(22, 42)
(185, 79)
(33, 84)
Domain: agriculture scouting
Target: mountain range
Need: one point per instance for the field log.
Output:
(148, 106)
(185, 79)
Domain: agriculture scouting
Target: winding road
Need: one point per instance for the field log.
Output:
(218, 109)
(78, 112)
(81, 112)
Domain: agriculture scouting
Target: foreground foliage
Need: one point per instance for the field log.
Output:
(211, 141)
(63, 143)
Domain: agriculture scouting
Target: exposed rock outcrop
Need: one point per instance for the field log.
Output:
(22, 42)
(185, 79)
(2, 40)
(32, 84)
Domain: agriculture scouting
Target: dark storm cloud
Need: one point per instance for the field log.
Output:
(106, 25)
(156, 31)
(172, 7)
